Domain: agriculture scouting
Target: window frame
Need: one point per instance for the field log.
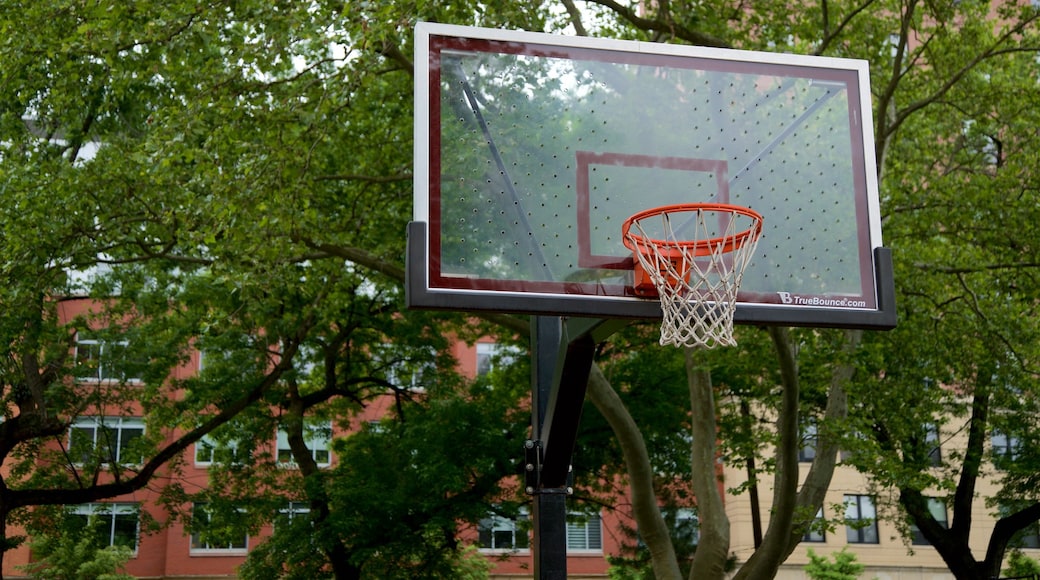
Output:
(111, 511)
(290, 511)
(1005, 452)
(810, 440)
(687, 518)
(198, 547)
(584, 534)
(209, 442)
(1028, 538)
(396, 368)
(100, 424)
(492, 354)
(816, 533)
(934, 506)
(311, 434)
(860, 533)
(101, 374)
(931, 437)
(494, 525)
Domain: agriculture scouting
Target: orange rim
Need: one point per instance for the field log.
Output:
(674, 248)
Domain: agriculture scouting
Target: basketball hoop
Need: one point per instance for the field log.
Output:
(694, 265)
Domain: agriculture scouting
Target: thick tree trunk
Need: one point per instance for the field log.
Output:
(709, 561)
(652, 527)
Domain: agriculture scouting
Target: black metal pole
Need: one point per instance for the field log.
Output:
(549, 510)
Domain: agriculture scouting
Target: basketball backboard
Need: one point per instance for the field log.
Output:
(531, 150)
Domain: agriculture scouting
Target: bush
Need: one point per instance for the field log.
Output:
(1018, 564)
(844, 566)
(71, 557)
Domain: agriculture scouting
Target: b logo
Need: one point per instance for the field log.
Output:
(785, 297)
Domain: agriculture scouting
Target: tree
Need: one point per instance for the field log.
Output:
(178, 169)
(957, 193)
(927, 60)
(239, 174)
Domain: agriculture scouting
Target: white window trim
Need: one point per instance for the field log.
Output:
(491, 354)
(405, 373)
(214, 445)
(582, 526)
(112, 509)
(318, 437)
(684, 516)
(211, 551)
(100, 378)
(117, 424)
(500, 523)
(294, 509)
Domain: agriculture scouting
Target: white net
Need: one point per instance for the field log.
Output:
(695, 256)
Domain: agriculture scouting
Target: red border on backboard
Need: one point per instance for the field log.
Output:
(534, 296)
(585, 159)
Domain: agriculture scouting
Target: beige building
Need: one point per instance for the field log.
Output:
(878, 544)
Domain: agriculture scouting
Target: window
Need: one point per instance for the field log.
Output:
(490, 355)
(810, 439)
(293, 511)
(317, 435)
(500, 533)
(817, 532)
(931, 441)
(584, 534)
(211, 533)
(856, 440)
(100, 360)
(982, 144)
(106, 439)
(1028, 537)
(1005, 448)
(406, 370)
(209, 450)
(687, 527)
(938, 510)
(860, 520)
(893, 42)
(116, 524)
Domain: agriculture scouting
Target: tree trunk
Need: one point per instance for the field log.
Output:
(8, 543)
(709, 561)
(952, 544)
(652, 528)
(335, 550)
(793, 509)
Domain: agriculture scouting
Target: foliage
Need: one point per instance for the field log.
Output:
(844, 566)
(76, 554)
(634, 562)
(1021, 566)
(207, 204)
(235, 177)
